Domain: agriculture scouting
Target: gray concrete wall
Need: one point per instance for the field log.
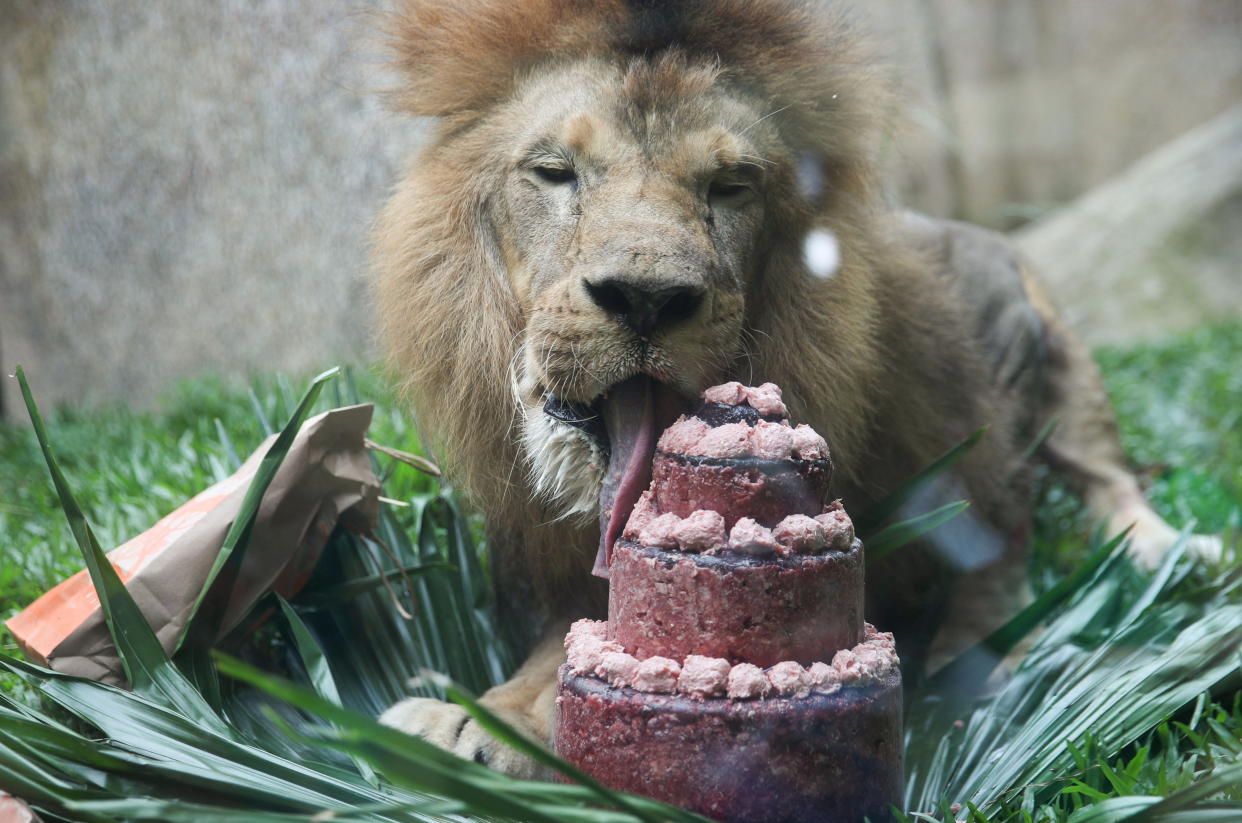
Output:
(184, 186)
(188, 186)
(1017, 106)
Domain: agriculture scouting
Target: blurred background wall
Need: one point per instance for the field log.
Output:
(188, 186)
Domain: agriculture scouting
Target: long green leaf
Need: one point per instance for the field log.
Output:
(870, 520)
(147, 667)
(1224, 778)
(332, 595)
(1094, 694)
(394, 754)
(181, 758)
(893, 537)
(977, 662)
(318, 670)
(179, 811)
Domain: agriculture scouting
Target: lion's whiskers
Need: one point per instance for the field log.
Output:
(748, 336)
(754, 160)
(765, 117)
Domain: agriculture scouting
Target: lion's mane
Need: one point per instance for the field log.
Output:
(848, 352)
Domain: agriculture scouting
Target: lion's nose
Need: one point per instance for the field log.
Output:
(642, 307)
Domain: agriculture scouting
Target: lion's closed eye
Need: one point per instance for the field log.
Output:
(730, 193)
(557, 175)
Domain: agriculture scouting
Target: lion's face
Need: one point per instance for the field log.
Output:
(631, 226)
(614, 211)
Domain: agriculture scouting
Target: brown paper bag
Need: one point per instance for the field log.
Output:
(325, 479)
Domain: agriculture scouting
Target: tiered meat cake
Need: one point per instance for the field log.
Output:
(735, 675)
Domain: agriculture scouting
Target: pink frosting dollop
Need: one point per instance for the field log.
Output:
(824, 678)
(587, 653)
(731, 393)
(800, 534)
(703, 531)
(806, 443)
(618, 668)
(661, 532)
(766, 399)
(585, 645)
(747, 681)
(589, 628)
(838, 528)
(788, 678)
(882, 640)
(872, 659)
(729, 440)
(748, 537)
(643, 513)
(703, 676)
(683, 436)
(771, 441)
(658, 675)
(847, 665)
(869, 660)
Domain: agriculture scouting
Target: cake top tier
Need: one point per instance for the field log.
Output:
(741, 421)
(736, 477)
(761, 401)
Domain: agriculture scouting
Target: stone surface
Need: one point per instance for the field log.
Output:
(185, 187)
(1153, 221)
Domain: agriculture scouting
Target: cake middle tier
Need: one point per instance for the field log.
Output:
(764, 490)
(744, 609)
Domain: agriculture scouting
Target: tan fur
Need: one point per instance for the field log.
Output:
(454, 303)
(484, 273)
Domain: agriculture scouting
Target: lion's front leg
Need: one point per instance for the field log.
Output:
(1085, 445)
(526, 701)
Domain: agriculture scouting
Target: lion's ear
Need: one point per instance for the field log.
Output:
(459, 57)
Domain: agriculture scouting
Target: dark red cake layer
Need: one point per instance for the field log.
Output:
(754, 610)
(765, 490)
(817, 759)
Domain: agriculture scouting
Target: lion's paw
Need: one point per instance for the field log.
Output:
(1151, 538)
(448, 726)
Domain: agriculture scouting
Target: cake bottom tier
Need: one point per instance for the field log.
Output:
(816, 759)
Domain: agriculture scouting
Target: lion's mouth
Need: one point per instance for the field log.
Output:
(586, 417)
(626, 422)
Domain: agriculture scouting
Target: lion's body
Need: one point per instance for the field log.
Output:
(592, 153)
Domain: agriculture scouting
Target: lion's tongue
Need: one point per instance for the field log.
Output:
(635, 412)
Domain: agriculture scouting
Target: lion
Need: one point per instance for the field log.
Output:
(623, 203)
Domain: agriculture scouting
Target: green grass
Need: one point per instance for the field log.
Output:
(1179, 403)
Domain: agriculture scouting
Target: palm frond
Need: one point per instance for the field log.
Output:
(869, 521)
(289, 735)
(1119, 658)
